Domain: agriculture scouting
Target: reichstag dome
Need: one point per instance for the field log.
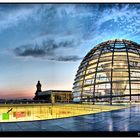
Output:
(109, 73)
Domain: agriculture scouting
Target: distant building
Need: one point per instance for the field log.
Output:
(53, 96)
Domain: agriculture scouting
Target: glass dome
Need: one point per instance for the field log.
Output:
(110, 73)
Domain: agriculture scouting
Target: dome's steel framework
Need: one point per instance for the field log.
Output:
(110, 72)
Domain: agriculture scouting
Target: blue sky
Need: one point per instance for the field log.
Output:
(47, 42)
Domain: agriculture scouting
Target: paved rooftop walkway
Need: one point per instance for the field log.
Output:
(119, 120)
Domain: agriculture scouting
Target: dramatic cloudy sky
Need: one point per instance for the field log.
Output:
(47, 42)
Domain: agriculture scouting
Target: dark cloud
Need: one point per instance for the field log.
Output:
(51, 45)
(67, 58)
(34, 52)
(47, 49)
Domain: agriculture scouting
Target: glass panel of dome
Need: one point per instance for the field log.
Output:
(90, 71)
(106, 57)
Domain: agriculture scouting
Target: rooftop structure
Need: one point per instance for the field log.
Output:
(110, 72)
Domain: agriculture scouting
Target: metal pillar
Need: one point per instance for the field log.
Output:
(84, 81)
(96, 74)
(128, 70)
(112, 74)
